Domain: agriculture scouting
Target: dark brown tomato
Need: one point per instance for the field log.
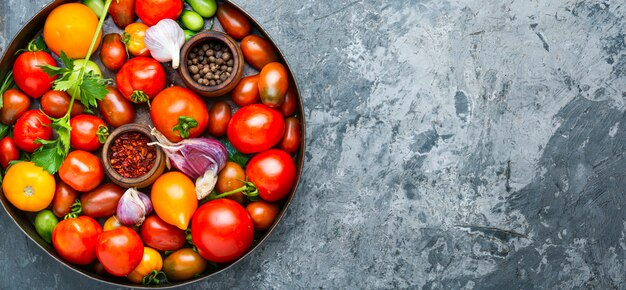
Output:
(115, 109)
(291, 139)
(262, 213)
(56, 103)
(219, 116)
(64, 198)
(160, 235)
(234, 23)
(183, 264)
(289, 106)
(230, 179)
(247, 91)
(113, 52)
(102, 201)
(14, 105)
(273, 84)
(257, 51)
(8, 151)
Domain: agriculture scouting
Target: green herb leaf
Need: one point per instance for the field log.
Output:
(68, 62)
(92, 90)
(40, 43)
(8, 82)
(48, 157)
(4, 129)
(234, 155)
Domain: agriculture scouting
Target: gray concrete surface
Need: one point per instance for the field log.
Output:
(451, 145)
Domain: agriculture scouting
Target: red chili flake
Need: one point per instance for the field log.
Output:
(131, 156)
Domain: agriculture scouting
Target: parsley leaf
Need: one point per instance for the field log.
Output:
(8, 82)
(234, 155)
(48, 157)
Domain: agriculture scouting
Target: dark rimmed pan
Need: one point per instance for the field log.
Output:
(24, 220)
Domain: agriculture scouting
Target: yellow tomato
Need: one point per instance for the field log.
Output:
(70, 28)
(150, 262)
(134, 35)
(174, 199)
(28, 186)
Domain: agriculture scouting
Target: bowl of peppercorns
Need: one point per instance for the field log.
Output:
(212, 64)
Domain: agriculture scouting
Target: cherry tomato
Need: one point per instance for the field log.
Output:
(289, 106)
(70, 28)
(247, 91)
(234, 23)
(153, 11)
(123, 12)
(273, 84)
(173, 103)
(29, 127)
(114, 223)
(150, 262)
(29, 76)
(229, 179)
(257, 51)
(222, 231)
(174, 199)
(8, 151)
(56, 103)
(45, 222)
(113, 52)
(64, 198)
(28, 187)
(219, 116)
(133, 37)
(88, 132)
(81, 170)
(291, 140)
(119, 250)
(140, 79)
(262, 214)
(75, 239)
(273, 172)
(255, 128)
(183, 264)
(160, 235)
(14, 105)
(102, 201)
(115, 109)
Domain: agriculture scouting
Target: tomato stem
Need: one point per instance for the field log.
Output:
(185, 123)
(153, 278)
(248, 189)
(76, 210)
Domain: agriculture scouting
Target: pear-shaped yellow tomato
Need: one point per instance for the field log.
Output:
(174, 199)
(28, 186)
(150, 262)
(70, 28)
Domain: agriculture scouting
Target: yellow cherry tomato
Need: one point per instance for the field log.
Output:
(70, 28)
(111, 224)
(28, 186)
(174, 199)
(150, 262)
(133, 38)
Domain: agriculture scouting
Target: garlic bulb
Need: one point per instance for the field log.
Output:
(133, 207)
(164, 41)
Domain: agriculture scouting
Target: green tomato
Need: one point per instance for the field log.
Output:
(45, 222)
(91, 67)
(206, 8)
(188, 34)
(192, 20)
(97, 6)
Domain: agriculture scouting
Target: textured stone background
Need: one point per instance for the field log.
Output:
(451, 144)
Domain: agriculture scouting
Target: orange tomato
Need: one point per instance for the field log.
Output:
(150, 262)
(174, 199)
(28, 186)
(133, 37)
(70, 28)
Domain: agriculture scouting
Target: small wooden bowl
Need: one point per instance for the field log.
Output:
(144, 180)
(226, 86)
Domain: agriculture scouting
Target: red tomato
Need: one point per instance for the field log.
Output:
(234, 23)
(222, 230)
(102, 201)
(291, 140)
(14, 105)
(86, 132)
(173, 103)
(257, 51)
(289, 106)
(119, 250)
(8, 151)
(273, 172)
(81, 170)
(153, 11)
(29, 127)
(247, 91)
(113, 52)
(262, 213)
(219, 116)
(123, 12)
(141, 79)
(273, 84)
(64, 198)
(28, 75)
(56, 103)
(115, 109)
(162, 236)
(255, 128)
(75, 239)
